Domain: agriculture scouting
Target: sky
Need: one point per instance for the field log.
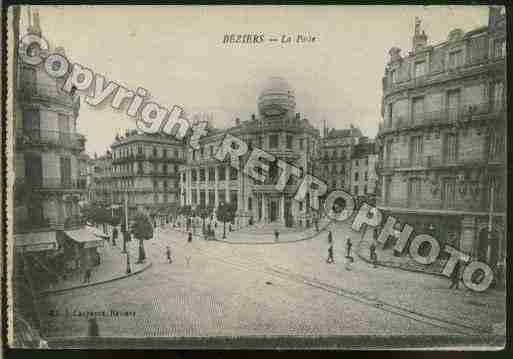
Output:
(177, 54)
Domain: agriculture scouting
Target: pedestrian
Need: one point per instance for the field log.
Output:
(455, 276)
(373, 255)
(189, 237)
(349, 244)
(330, 237)
(93, 330)
(168, 254)
(276, 235)
(87, 275)
(114, 235)
(330, 255)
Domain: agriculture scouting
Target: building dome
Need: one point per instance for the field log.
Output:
(277, 98)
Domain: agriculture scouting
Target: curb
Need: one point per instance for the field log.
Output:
(56, 291)
(321, 230)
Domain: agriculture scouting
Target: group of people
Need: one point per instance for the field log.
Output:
(348, 256)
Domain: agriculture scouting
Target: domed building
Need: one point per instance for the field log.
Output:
(277, 129)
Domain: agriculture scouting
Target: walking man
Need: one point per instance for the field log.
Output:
(189, 237)
(330, 237)
(168, 255)
(330, 254)
(455, 276)
(114, 235)
(349, 244)
(87, 275)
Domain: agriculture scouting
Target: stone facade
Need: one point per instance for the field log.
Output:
(442, 141)
(145, 169)
(46, 151)
(277, 130)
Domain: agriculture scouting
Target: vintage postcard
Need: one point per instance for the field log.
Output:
(328, 177)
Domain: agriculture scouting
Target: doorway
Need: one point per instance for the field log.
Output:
(488, 250)
(273, 213)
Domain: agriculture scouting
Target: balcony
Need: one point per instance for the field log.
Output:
(50, 183)
(30, 92)
(452, 115)
(474, 66)
(38, 137)
(438, 207)
(422, 162)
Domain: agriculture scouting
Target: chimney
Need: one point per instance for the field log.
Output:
(237, 121)
(253, 118)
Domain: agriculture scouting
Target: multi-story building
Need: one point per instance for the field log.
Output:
(100, 185)
(278, 130)
(442, 141)
(49, 236)
(363, 177)
(145, 171)
(337, 146)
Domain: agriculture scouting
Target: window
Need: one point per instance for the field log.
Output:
(233, 173)
(155, 184)
(420, 68)
(250, 144)
(273, 141)
(497, 95)
(356, 163)
(65, 171)
(495, 145)
(356, 190)
(418, 109)
(365, 189)
(449, 193)
(176, 153)
(193, 175)
(388, 188)
(260, 142)
(154, 151)
(455, 59)
(301, 143)
(356, 175)
(211, 174)
(250, 203)
(499, 48)
(451, 147)
(416, 149)
(164, 168)
(194, 155)
(366, 176)
(289, 142)
(366, 161)
(211, 151)
(140, 168)
(194, 197)
(222, 173)
(393, 76)
(33, 168)
(301, 206)
(164, 153)
(31, 123)
(390, 114)
(202, 152)
(202, 174)
(414, 191)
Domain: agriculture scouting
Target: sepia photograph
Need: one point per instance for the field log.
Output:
(258, 177)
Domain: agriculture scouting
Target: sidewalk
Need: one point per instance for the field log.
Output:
(112, 267)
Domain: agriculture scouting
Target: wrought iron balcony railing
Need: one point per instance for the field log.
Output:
(36, 137)
(50, 183)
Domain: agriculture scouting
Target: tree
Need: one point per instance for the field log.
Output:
(142, 230)
(226, 213)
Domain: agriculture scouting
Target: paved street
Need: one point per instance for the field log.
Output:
(223, 289)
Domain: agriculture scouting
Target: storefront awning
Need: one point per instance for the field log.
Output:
(35, 241)
(86, 236)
